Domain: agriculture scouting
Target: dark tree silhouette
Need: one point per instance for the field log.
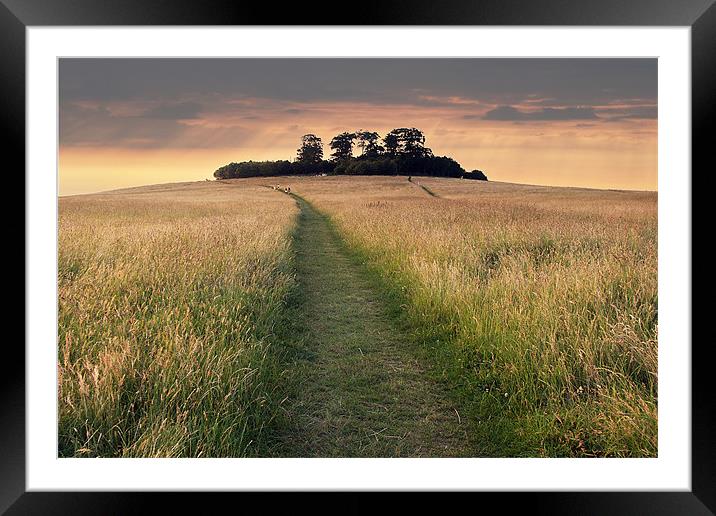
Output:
(368, 142)
(404, 152)
(311, 149)
(412, 143)
(342, 146)
(476, 174)
(392, 144)
(406, 142)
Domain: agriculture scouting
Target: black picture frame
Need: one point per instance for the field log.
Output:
(17, 15)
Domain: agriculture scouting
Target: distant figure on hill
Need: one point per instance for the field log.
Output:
(410, 178)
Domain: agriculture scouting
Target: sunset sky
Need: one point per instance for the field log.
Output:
(571, 122)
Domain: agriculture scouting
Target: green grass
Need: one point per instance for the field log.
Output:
(425, 188)
(538, 307)
(361, 391)
(483, 380)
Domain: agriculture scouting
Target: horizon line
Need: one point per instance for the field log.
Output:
(358, 175)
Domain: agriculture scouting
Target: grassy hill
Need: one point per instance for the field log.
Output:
(193, 320)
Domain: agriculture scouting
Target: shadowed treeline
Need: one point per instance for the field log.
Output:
(402, 151)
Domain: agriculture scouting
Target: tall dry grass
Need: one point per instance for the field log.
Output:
(538, 304)
(170, 299)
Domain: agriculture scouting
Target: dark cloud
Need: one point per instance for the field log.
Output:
(104, 129)
(174, 111)
(95, 127)
(632, 113)
(423, 81)
(165, 95)
(510, 113)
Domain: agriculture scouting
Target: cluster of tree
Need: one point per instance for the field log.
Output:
(439, 166)
(401, 151)
(272, 168)
(398, 143)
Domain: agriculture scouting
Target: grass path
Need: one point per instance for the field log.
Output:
(363, 393)
(425, 188)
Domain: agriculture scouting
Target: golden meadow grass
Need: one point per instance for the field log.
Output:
(538, 306)
(545, 300)
(169, 299)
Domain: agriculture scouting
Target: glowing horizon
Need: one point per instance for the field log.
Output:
(569, 122)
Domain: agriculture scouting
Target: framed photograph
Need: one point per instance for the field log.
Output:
(417, 250)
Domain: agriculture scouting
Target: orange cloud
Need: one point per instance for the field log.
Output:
(113, 144)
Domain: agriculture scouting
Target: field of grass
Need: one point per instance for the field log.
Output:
(534, 308)
(538, 304)
(170, 299)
